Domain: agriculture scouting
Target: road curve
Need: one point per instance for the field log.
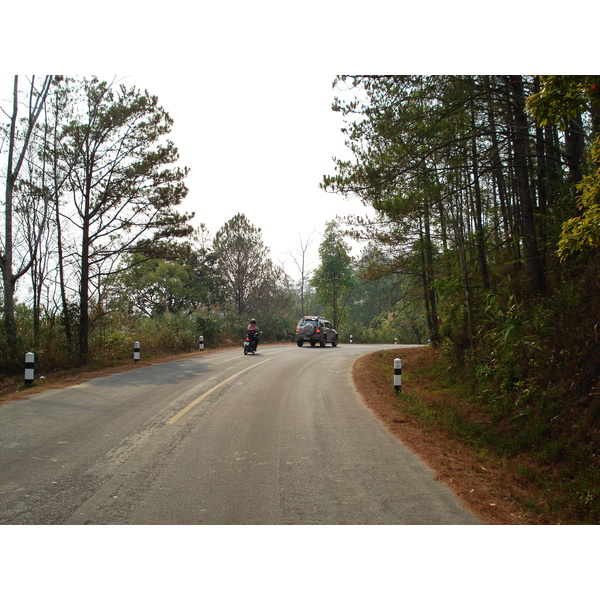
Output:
(281, 437)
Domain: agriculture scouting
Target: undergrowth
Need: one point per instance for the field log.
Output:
(550, 443)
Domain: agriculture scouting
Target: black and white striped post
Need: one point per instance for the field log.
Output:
(201, 342)
(351, 340)
(136, 351)
(29, 368)
(398, 375)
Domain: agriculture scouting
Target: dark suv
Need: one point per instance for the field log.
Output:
(316, 329)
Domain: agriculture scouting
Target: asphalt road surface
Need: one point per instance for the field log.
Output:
(281, 437)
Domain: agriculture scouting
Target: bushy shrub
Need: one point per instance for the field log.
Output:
(169, 333)
(211, 326)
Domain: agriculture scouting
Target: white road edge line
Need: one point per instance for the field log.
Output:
(214, 389)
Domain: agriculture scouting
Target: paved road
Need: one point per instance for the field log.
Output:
(280, 437)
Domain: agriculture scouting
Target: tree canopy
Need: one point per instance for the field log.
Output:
(249, 276)
(333, 279)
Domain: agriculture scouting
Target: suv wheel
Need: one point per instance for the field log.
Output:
(324, 341)
(300, 343)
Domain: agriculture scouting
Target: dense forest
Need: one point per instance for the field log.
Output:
(487, 193)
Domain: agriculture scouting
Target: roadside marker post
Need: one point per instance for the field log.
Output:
(136, 351)
(201, 342)
(398, 375)
(351, 340)
(29, 368)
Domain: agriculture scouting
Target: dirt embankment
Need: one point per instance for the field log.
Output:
(495, 492)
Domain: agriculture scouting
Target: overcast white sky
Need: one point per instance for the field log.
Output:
(257, 143)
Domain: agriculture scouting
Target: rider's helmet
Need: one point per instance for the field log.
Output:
(252, 321)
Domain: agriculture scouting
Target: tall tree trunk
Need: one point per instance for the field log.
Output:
(61, 268)
(425, 283)
(541, 178)
(535, 265)
(14, 164)
(84, 284)
(428, 277)
(439, 204)
(7, 258)
(61, 277)
(469, 332)
(499, 178)
(479, 233)
(574, 146)
(553, 163)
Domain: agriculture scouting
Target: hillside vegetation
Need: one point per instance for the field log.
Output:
(534, 469)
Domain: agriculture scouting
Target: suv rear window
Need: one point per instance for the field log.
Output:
(305, 321)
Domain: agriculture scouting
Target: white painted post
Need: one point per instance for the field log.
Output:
(398, 375)
(136, 351)
(29, 368)
(201, 342)
(351, 340)
(395, 340)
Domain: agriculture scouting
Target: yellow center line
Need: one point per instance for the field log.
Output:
(214, 389)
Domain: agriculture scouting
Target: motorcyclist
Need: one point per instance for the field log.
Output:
(253, 333)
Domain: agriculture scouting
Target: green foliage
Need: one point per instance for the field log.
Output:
(582, 233)
(334, 279)
(473, 199)
(562, 97)
(211, 327)
(154, 286)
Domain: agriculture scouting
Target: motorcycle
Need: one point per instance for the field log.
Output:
(250, 343)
